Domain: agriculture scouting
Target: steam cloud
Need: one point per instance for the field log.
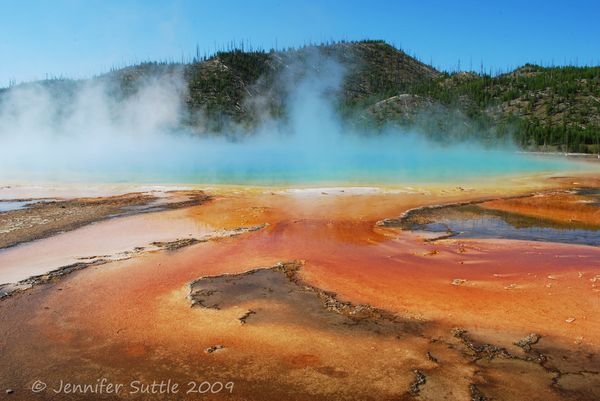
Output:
(94, 136)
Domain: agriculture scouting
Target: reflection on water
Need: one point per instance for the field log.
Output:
(109, 239)
(472, 221)
(592, 193)
(8, 205)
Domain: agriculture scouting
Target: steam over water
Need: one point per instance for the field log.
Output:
(140, 139)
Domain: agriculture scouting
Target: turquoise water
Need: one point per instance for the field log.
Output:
(278, 160)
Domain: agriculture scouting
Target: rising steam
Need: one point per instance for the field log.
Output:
(92, 135)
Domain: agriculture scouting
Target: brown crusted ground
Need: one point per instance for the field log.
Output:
(259, 295)
(45, 219)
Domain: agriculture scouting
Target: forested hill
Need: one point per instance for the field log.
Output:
(544, 108)
(540, 108)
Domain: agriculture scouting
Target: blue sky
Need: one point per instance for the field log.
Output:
(74, 38)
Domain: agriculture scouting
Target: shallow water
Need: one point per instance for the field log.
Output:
(475, 222)
(592, 193)
(496, 227)
(109, 239)
(8, 205)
